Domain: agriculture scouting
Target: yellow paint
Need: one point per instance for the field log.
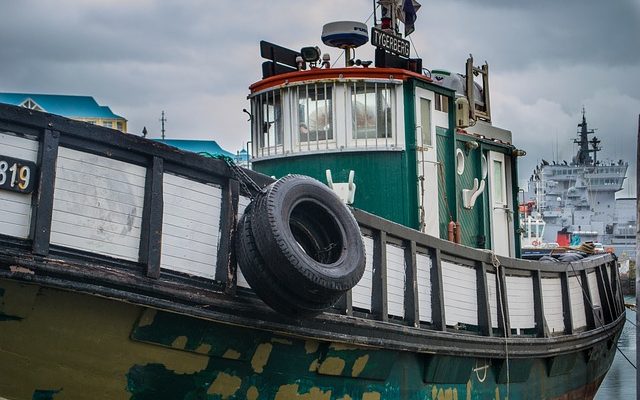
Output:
(99, 329)
(359, 364)
(252, 393)
(314, 366)
(343, 346)
(469, 389)
(290, 392)
(147, 317)
(179, 342)
(346, 397)
(261, 356)
(434, 392)
(332, 366)
(204, 348)
(497, 393)
(231, 354)
(371, 396)
(281, 341)
(225, 385)
(311, 346)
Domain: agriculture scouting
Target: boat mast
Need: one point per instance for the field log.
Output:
(583, 158)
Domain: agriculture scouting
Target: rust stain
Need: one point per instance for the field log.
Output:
(332, 366)
(311, 346)
(179, 342)
(358, 365)
(261, 356)
(20, 270)
(225, 385)
(231, 354)
(281, 341)
(147, 318)
(371, 396)
(252, 393)
(342, 346)
(290, 392)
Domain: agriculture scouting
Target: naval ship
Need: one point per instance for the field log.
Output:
(577, 199)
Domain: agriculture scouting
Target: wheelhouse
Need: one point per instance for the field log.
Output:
(421, 155)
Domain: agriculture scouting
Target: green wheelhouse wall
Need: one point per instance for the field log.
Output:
(381, 179)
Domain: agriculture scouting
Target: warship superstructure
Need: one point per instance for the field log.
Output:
(577, 199)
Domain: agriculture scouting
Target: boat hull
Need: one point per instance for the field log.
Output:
(61, 344)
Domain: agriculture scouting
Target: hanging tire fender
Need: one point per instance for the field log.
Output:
(308, 238)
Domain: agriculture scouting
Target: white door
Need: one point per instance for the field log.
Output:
(500, 212)
(427, 164)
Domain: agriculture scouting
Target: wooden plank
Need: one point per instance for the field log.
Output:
(484, 310)
(578, 309)
(151, 232)
(437, 292)
(42, 202)
(460, 294)
(521, 302)
(361, 294)
(503, 304)
(423, 271)
(93, 220)
(379, 307)
(538, 306)
(396, 280)
(492, 287)
(184, 249)
(411, 304)
(587, 301)
(604, 289)
(226, 265)
(566, 304)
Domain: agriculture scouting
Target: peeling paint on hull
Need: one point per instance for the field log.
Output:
(67, 345)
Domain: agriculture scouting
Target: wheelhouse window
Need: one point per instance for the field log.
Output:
(267, 113)
(315, 113)
(441, 103)
(371, 110)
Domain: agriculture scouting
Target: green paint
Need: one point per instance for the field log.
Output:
(411, 161)
(380, 178)
(446, 182)
(155, 382)
(471, 220)
(40, 394)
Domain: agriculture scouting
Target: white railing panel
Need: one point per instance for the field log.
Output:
(190, 226)
(593, 289)
(492, 291)
(552, 300)
(97, 204)
(578, 312)
(362, 292)
(460, 294)
(520, 302)
(423, 269)
(395, 280)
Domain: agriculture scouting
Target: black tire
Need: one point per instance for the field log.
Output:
(309, 238)
(264, 284)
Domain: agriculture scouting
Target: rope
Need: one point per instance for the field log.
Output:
(588, 297)
(496, 264)
(249, 185)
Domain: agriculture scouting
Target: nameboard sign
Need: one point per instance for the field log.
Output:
(390, 43)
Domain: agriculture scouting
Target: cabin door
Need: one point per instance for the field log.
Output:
(501, 217)
(427, 164)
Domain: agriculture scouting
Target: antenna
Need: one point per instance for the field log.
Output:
(163, 120)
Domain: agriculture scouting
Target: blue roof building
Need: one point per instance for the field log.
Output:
(198, 146)
(82, 108)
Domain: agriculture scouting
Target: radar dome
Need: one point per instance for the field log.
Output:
(345, 34)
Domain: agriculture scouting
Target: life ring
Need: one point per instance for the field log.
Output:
(536, 243)
(299, 247)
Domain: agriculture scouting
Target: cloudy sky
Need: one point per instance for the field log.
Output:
(195, 59)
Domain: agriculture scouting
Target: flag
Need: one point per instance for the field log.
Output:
(409, 9)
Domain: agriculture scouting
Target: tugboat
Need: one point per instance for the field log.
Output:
(376, 243)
